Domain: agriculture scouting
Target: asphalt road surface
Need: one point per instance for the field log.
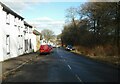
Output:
(64, 66)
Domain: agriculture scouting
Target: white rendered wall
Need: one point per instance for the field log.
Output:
(1, 35)
(34, 43)
(13, 32)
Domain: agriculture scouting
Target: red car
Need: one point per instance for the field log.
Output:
(45, 48)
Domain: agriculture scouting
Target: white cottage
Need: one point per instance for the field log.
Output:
(36, 37)
(15, 34)
(28, 33)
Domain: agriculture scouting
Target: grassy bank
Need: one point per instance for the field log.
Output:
(106, 54)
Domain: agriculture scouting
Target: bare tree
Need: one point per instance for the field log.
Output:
(47, 34)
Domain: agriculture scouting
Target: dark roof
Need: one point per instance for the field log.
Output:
(36, 32)
(5, 8)
(26, 24)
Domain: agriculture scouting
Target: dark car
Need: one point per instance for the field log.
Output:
(69, 47)
(45, 48)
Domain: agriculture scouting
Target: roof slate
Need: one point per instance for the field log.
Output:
(7, 9)
(25, 23)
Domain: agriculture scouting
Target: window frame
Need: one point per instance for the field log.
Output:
(8, 44)
(8, 18)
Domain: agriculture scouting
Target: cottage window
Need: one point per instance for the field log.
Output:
(18, 28)
(18, 42)
(30, 44)
(8, 44)
(30, 30)
(19, 22)
(7, 18)
(21, 42)
(26, 28)
(15, 21)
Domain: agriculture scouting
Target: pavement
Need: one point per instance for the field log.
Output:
(10, 65)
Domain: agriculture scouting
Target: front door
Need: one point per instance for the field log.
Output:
(26, 45)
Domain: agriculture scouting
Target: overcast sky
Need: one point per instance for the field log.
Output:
(44, 14)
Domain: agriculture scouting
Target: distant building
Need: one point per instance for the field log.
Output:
(15, 34)
(36, 39)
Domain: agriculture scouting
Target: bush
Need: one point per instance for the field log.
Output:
(107, 53)
(110, 50)
(107, 50)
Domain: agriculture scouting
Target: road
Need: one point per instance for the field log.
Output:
(64, 66)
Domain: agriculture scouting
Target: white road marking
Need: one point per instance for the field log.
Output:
(69, 66)
(79, 78)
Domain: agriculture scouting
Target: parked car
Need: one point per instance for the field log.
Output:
(69, 47)
(54, 46)
(58, 46)
(51, 48)
(45, 48)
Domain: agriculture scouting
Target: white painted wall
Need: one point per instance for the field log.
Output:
(1, 35)
(34, 42)
(15, 30)
(28, 36)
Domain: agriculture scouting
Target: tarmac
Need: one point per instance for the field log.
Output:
(11, 65)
